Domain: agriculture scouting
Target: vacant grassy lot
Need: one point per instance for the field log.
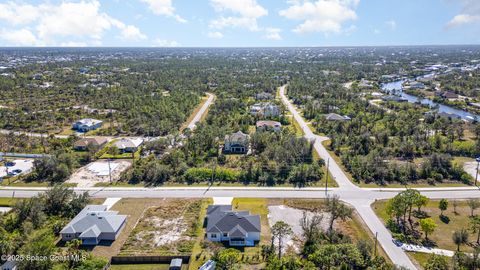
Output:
(171, 228)
(442, 236)
(133, 208)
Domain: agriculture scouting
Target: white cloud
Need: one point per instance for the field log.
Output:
(82, 20)
(246, 8)
(326, 16)
(165, 8)
(470, 14)
(243, 14)
(22, 37)
(18, 13)
(73, 44)
(216, 35)
(130, 32)
(463, 19)
(242, 22)
(273, 33)
(165, 43)
(392, 25)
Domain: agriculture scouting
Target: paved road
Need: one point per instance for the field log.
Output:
(360, 198)
(201, 112)
(396, 254)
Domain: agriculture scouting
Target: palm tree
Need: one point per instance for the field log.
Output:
(460, 237)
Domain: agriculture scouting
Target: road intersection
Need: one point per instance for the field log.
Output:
(359, 198)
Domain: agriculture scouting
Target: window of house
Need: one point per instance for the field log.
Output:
(214, 235)
(225, 235)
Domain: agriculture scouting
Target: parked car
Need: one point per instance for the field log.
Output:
(10, 164)
(17, 171)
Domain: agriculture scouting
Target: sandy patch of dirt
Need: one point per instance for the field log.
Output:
(85, 177)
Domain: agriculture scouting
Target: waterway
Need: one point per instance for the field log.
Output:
(396, 88)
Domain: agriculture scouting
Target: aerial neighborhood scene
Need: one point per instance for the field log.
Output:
(239, 134)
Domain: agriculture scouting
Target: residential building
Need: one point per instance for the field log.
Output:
(84, 143)
(264, 96)
(446, 95)
(235, 228)
(336, 117)
(265, 110)
(128, 145)
(236, 143)
(87, 124)
(94, 224)
(9, 265)
(269, 126)
(417, 86)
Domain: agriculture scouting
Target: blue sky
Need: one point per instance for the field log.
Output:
(238, 23)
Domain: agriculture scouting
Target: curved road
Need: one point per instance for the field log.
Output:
(360, 198)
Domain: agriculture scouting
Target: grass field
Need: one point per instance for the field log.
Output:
(7, 202)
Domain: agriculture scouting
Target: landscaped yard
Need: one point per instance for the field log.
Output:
(171, 228)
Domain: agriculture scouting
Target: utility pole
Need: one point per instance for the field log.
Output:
(109, 171)
(213, 171)
(375, 248)
(326, 179)
(476, 174)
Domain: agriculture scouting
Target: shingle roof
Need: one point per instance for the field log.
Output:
(95, 216)
(220, 218)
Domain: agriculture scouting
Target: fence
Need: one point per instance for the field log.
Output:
(147, 259)
(22, 155)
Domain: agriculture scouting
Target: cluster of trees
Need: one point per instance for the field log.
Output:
(323, 248)
(33, 225)
(54, 169)
(276, 157)
(380, 146)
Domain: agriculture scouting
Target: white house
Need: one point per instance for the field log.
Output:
(128, 145)
(236, 228)
(87, 124)
(265, 110)
(94, 224)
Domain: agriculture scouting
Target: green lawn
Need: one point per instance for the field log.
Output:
(6, 202)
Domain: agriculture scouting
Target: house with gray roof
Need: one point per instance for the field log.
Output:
(234, 228)
(336, 117)
(236, 143)
(94, 224)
